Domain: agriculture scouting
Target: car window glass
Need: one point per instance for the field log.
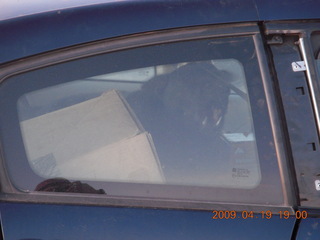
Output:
(145, 122)
(175, 124)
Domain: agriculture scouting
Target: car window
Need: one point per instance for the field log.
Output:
(179, 118)
(176, 124)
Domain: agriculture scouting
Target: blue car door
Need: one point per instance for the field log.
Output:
(176, 134)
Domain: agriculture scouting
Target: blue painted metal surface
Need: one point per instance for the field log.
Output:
(28, 221)
(38, 33)
(33, 34)
(288, 9)
(309, 229)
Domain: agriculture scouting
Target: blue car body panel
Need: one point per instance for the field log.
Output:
(287, 10)
(33, 34)
(80, 222)
(43, 32)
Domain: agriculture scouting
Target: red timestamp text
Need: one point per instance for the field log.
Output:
(225, 214)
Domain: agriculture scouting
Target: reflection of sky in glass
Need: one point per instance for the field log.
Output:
(16, 8)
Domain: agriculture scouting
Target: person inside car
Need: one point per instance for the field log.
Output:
(184, 112)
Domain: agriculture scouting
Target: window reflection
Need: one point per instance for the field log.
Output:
(184, 111)
(64, 185)
(185, 123)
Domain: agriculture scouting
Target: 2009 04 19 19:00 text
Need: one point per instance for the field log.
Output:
(262, 214)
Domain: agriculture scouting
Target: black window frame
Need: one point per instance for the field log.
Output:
(9, 192)
(305, 148)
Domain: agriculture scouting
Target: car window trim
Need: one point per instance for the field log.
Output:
(123, 43)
